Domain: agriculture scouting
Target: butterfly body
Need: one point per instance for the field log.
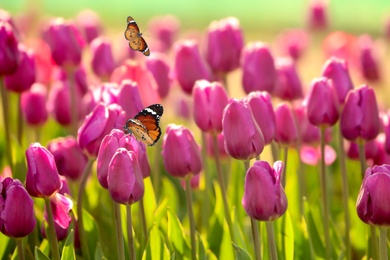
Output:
(145, 125)
(134, 36)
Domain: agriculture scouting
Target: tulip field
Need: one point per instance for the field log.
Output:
(148, 132)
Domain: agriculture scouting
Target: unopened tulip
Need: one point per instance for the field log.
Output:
(33, 104)
(9, 53)
(317, 14)
(89, 24)
(165, 29)
(102, 59)
(221, 145)
(289, 86)
(129, 98)
(293, 42)
(158, 66)
(368, 62)
(286, 128)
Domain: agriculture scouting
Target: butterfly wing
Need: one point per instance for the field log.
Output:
(132, 34)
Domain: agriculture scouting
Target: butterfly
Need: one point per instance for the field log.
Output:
(132, 34)
(145, 125)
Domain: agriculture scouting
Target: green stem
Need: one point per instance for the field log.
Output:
(191, 217)
(362, 157)
(143, 220)
(73, 100)
(156, 174)
(83, 183)
(273, 255)
(119, 233)
(274, 150)
(51, 234)
(285, 157)
(223, 188)
(206, 192)
(383, 255)
(20, 120)
(130, 239)
(256, 238)
(324, 190)
(7, 123)
(19, 245)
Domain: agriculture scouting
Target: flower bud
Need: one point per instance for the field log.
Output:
(129, 98)
(102, 59)
(285, 125)
(264, 198)
(221, 145)
(165, 29)
(33, 103)
(293, 42)
(158, 66)
(9, 53)
(243, 137)
(318, 19)
(89, 24)
(289, 86)
(369, 65)
(180, 143)
(79, 76)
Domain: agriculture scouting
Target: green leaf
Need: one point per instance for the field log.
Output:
(285, 236)
(176, 234)
(150, 203)
(156, 248)
(68, 249)
(92, 232)
(99, 252)
(39, 255)
(5, 246)
(201, 248)
(240, 253)
(314, 234)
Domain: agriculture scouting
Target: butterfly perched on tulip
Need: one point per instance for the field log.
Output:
(133, 35)
(145, 125)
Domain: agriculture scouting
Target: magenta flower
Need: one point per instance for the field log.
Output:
(189, 65)
(285, 125)
(180, 143)
(360, 116)
(33, 103)
(317, 15)
(221, 145)
(79, 74)
(129, 98)
(102, 59)
(311, 155)
(42, 178)
(259, 71)
(9, 53)
(289, 86)
(243, 137)
(210, 99)
(293, 42)
(264, 198)
(373, 202)
(16, 209)
(158, 66)
(89, 24)
(165, 29)
(224, 44)
(125, 182)
(368, 60)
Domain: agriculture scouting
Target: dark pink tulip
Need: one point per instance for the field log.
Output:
(194, 182)
(317, 15)
(89, 24)
(65, 41)
(9, 53)
(289, 86)
(129, 98)
(179, 142)
(125, 182)
(33, 103)
(210, 99)
(258, 66)
(243, 137)
(371, 150)
(224, 44)
(42, 178)
(68, 156)
(264, 198)
(24, 76)
(373, 202)
(79, 75)
(16, 209)
(221, 145)
(189, 65)
(293, 42)
(322, 108)
(261, 105)
(337, 70)
(157, 64)
(165, 29)
(285, 125)
(368, 60)
(360, 116)
(102, 59)
(97, 125)
(183, 108)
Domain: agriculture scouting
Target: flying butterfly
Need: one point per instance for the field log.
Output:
(145, 125)
(133, 35)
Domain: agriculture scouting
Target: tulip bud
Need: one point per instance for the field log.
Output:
(318, 19)
(79, 75)
(89, 24)
(33, 103)
(285, 125)
(102, 59)
(125, 182)
(374, 196)
(224, 45)
(189, 65)
(42, 178)
(16, 209)
(321, 103)
(289, 86)
(221, 145)
(264, 198)
(158, 66)
(179, 142)
(360, 116)
(164, 29)
(243, 137)
(369, 65)
(9, 53)
(259, 71)
(210, 99)
(293, 42)
(129, 98)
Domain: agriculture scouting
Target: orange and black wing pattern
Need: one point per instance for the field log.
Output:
(133, 35)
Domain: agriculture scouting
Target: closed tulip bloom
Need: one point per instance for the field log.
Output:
(79, 74)
(321, 103)
(180, 143)
(317, 15)
(89, 24)
(158, 66)
(125, 182)
(9, 53)
(293, 42)
(243, 137)
(17, 217)
(372, 205)
(69, 157)
(97, 125)
(260, 104)
(165, 29)
(224, 44)
(264, 198)
(102, 59)
(24, 76)
(42, 178)
(337, 70)
(33, 103)
(289, 86)
(65, 41)
(285, 125)
(221, 145)
(189, 65)
(360, 116)
(368, 62)
(258, 66)
(210, 99)
(129, 98)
